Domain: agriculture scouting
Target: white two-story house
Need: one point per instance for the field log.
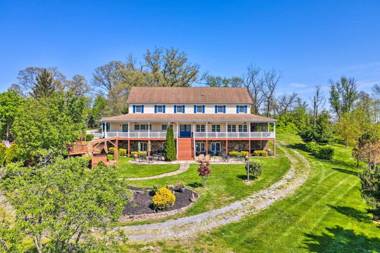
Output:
(205, 121)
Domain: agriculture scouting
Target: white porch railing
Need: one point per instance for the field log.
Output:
(237, 135)
(162, 134)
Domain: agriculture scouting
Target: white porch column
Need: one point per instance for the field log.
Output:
(148, 129)
(249, 129)
(129, 129)
(177, 140)
(206, 130)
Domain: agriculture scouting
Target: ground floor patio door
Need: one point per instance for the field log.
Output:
(215, 148)
(200, 148)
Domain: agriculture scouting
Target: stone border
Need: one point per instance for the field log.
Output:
(159, 215)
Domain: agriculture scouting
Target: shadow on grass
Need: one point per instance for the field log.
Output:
(195, 184)
(347, 171)
(352, 212)
(339, 239)
(242, 177)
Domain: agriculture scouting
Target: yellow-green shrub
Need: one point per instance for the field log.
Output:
(139, 153)
(163, 198)
(260, 153)
(122, 152)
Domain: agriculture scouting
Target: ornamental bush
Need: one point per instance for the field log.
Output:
(170, 146)
(122, 152)
(238, 153)
(254, 169)
(163, 198)
(260, 153)
(89, 137)
(326, 153)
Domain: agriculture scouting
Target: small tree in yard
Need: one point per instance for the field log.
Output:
(58, 205)
(204, 171)
(170, 148)
(370, 181)
(253, 169)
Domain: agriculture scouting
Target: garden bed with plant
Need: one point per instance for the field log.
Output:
(153, 200)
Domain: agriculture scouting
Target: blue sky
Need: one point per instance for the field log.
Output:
(309, 42)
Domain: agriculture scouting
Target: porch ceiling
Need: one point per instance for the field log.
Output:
(227, 118)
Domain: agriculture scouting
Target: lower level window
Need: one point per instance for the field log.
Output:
(164, 127)
(215, 128)
(143, 146)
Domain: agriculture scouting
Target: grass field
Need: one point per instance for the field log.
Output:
(132, 170)
(327, 214)
(224, 185)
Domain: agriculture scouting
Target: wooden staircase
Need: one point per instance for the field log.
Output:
(185, 149)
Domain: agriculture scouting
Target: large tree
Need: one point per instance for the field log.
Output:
(270, 83)
(78, 85)
(59, 205)
(27, 78)
(46, 125)
(44, 85)
(343, 95)
(254, 84)
(10, 102)
(108, 75)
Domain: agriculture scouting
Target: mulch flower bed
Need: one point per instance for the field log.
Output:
(142, 201)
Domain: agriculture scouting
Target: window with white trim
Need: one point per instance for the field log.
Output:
(179, 109)
(215, 128)
(220, 109)
(231, 128)
(243, 128)
(199, 109)
(159, 109)
(241, 109)
(200, 128)
(142, 127)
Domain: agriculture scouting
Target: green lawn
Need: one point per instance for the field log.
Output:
(131, 170)
(327, 214)
(225, 184)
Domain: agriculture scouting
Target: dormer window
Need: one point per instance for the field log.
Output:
(138, 109)
(159, 109)
(220, 109)
(199, 109)
(179, 109)
(241, 109)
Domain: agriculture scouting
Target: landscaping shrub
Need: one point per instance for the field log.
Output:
(170, 146)
(122, 152)
(321, 152)
(238, 153)
(163, 198)
(312, 147)
(254, 169)
(326, 153)
(89, 137)
(260, 153)
(11, 154)
(111, 150)
(138, 153)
